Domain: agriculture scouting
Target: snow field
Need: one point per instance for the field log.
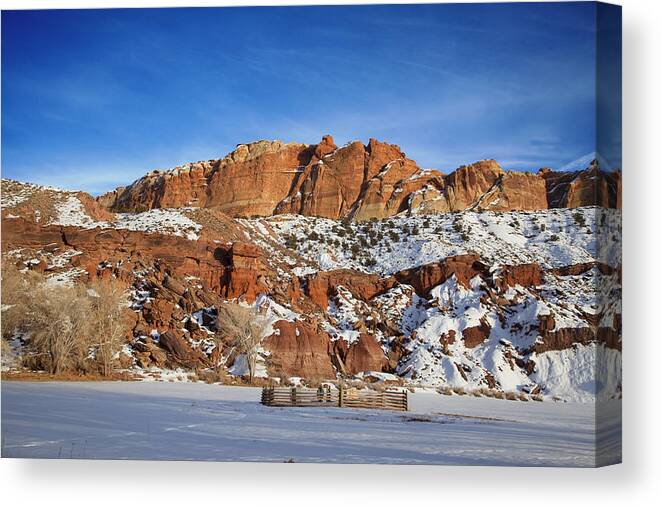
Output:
(190, 421)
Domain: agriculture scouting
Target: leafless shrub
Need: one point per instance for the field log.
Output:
(64, 324)
(245, 326)
(351, 383)
(511, 396)
(56, 319)
(446, 390)
(106, 321)
(483, 391)
(212, 376)
(314, 381)
(379, 386)
(459, 390)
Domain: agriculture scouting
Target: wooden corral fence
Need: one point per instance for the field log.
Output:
(345, 398)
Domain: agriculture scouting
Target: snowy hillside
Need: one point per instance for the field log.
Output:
(552, 238)
(552, 335)
(433, 329)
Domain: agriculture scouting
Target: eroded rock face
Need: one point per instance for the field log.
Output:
(362, 182)
(591, 187)
(394, 188)
(474, 336)
(93, 208)
(249, 181)
(323, 285)
(365, 355)
(234, 270)
(181, 351)
(330, 186)
(183, 186)
(299, 349)
(424, 278)
(517, 191)
(257, 176)
(525, 275)
(469, 183)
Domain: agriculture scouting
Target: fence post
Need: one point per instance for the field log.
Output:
(293, 396)
(406, 401)
(341, 398)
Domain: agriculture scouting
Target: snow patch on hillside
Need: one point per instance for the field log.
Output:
(552, 238)
(70, 212)
(64, 278)
(162, 221)
(13, 193)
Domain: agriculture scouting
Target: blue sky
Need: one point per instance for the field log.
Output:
(93, 99)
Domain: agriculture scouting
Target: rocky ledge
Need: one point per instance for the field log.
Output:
(359, 181)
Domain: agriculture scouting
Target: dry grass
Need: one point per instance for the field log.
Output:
(487, 393)
(41, 376)
(314, 381)
(211, 376)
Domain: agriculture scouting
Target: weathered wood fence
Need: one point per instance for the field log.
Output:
(345, 398)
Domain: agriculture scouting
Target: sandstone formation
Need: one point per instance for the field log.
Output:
(589, 187)
(298, 349)
(359, 181)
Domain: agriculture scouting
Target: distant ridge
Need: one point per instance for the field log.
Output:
(357, 181)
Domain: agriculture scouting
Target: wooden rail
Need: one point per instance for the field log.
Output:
(345, 398)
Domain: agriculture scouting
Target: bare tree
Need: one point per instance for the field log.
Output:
(57, 320)
(64, 324)
(107, 322)
(246, 327)
(17, 290)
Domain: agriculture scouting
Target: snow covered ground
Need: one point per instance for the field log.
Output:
(552, 238)
(186, 421)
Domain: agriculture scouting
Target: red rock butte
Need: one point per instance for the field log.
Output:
(358, 181)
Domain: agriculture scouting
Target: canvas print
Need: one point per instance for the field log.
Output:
(317, 234)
